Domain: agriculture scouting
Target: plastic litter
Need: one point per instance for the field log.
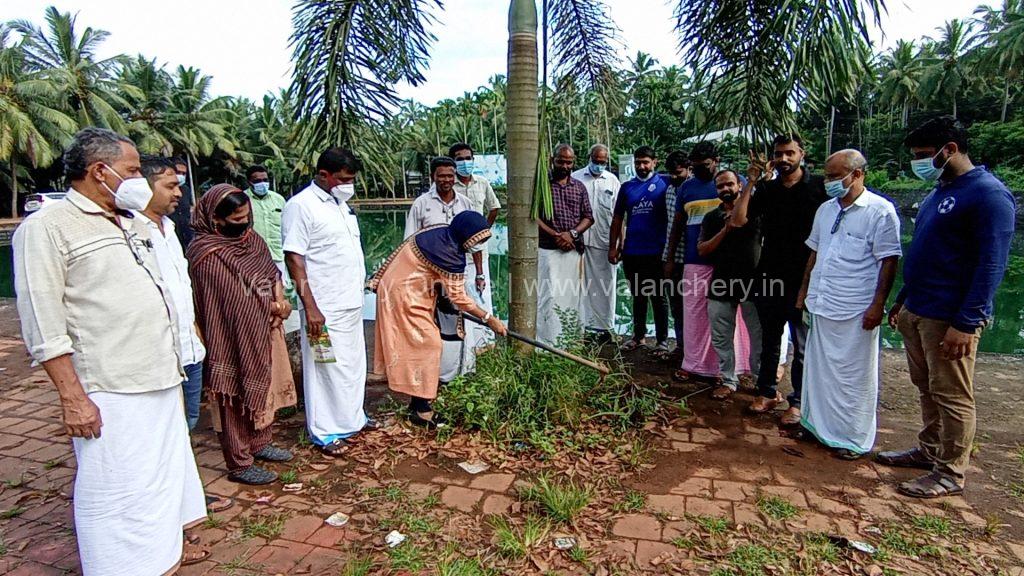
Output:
(474, 467)
(296, 487)
(338, 519)
(565, 543)
(856, 545)
(394, 538)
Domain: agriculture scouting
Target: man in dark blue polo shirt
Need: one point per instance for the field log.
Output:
(952, 269)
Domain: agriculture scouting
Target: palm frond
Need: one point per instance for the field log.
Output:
(586, 42)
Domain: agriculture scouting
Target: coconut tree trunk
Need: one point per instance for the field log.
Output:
(1006, 98)
(191, 180)
(521, 117)
(14, 187)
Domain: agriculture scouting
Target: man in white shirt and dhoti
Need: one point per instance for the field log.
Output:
(855, 247)
(597, 306)
(97, 315)
(325, 260)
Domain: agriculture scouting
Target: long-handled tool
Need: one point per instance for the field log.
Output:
(604, 370)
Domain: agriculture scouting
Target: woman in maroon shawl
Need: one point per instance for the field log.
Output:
(240, 305)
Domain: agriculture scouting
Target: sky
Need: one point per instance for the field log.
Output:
(243, 44)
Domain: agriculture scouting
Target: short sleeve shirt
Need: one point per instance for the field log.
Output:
(480, 193)
(603, 192)
(851, 244)
(642, 204)
(696, 198)
(325, 232)
(735, 260)
(266, 220)
(572, 206)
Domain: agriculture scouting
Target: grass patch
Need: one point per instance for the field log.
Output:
(407, 556)
(821, 550)
(936, 525)
(463, 567)
(51, 464)
(357, 567)
(776, 508)
(239, 565)
(896, 542)
(633, 501)
(303, 440)
(714, 526)
(1017, 490)
(15, 483)
(516, 542)
(288, 476)
(268, 526)
(754, 559)
(635, 454)
(3, 546)
(12, 512)
(213, 522)
(683, 543)
(561, 502)
(1018, 455)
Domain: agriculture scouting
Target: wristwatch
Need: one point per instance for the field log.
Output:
(575, 235)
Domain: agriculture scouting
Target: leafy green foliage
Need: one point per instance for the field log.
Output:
(266, 526)
(517, 541)
(776, 508)
(561, 502)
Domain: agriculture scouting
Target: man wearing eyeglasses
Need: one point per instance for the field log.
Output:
(855, 247)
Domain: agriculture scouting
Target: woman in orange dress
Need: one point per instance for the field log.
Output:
(407, 346)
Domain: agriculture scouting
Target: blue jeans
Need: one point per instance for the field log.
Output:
(193, 388)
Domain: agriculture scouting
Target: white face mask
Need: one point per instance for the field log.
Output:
(181, 179)
(343, 192)
(132, 194)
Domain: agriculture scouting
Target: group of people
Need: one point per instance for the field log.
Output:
(133, 311)
(742, 259)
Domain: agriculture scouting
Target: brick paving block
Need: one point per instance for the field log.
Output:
(50, 550)
(845, 527)
(327, 536)
(735, 491)
(419, 491)
(321, 561)
(1017, 550)
(625, 549)
(493, 482)
(676, 529)
(10, 440)
(828, 506)
(670, 504)
(877, 509)
(693, 487)
(449, 480)
(755, 439)
(641, 526)
(794, 495)
(716, 508)
(299, 528)
(281, 559)
(972, 519)
(223, 487)
(678, 435)
(35, 569)
(747, 514)
(686, 447)
(52, 452)
(777, 441)
(749, 473)
(705, 435)
(648, 551)
(865, 471)
(26, 448)
(497, 504)
(757, 428)
(842, 490)
(204, 567)
(709, 472)
(47, 512)
(464, 499)
(783, 480)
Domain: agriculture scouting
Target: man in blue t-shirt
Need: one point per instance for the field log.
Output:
(953, 266)
(641, 204)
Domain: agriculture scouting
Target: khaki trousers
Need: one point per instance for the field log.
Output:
(946, 389)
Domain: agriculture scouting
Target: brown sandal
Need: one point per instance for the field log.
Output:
(216, 504)
(722, 393)
(191, 554)
(934, 485)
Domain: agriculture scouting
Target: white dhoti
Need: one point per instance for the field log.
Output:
(840, 391)
(597, 311)
(292, 323)
(334, 391)
(137, 485)
(559, 290)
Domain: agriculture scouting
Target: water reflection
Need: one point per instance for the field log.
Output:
(382, 232)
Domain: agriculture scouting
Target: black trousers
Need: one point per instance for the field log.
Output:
(675, 303)
(774, 313)
(644, 274)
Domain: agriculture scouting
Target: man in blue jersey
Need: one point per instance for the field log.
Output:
(952, 269)
(641, 204)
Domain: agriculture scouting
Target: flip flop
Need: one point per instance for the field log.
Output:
(218, 503)
(629, 345)
(334, 449)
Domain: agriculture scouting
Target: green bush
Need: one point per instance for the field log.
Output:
(1012, 177)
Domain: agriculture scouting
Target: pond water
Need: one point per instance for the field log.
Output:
(382, 232)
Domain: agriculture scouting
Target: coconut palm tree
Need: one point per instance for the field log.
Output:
(947, 73)
(32, 126)
(199, 124)
(68, 59)
(901, 78)
(1002, 36)
(147, 88)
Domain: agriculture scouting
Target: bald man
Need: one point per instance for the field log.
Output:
(855, 247)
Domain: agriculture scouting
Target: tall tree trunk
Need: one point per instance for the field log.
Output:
(521, 117)
(831, 128)
(494, 121)
(1006, 98)
(191, 180)
(14, 187)
(482, 141)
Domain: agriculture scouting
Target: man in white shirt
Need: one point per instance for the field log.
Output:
(325, 260)
(855, 247)
(597, 309)
(434, 208)
(96, 314)
(170, 258)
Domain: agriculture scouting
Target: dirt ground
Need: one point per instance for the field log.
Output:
(712, 491)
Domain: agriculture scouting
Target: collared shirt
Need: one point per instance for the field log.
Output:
(90, 287)
(695, 198)
(851, 244)
(787, 215)
(572, 206)
(325, 232)
(480, 193)
(670, 211)
(430, 210)
(603, 192)
(182, 217)
(961, 247)
(170, 258)
(266, 220)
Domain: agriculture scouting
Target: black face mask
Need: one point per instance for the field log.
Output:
(727, 197)
(703, 172)
(233, 230)
(558, 173)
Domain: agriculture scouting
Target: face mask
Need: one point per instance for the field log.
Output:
(132, 194)
(464, 167)
(232, 229)
(702, 172)
(595, 169)
(835, 188)
(925, 168)
(261, 188)
(342, 192)
(558, 173)
(181, 179)
(727, 197)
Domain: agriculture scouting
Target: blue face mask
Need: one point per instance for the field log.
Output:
(835, 188)
(925, 169)
(596, 169)
(181, 179)
(464, 167)
(261, 188)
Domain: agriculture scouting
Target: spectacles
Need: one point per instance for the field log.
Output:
(839, 218)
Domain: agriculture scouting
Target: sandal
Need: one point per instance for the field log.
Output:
(661, 351)
(849, 455)
(191, 554)
(629, 345)
(253, 476)
(218, 503)
(271, 453)
(334, 449)
(681, 376)
(933, 485)
(913, 458)
(762, 405)
(433, 423)
(722, 392)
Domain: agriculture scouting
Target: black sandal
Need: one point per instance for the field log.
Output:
(253, 476)
(433, 423)
(913, 458)
(929, 486)
(334, 449)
